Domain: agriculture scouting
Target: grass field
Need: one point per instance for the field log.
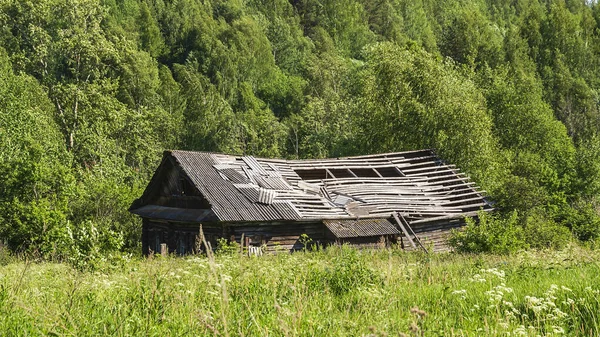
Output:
(335, 292)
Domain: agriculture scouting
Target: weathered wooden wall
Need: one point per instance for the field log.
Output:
(434, 235)
(181, 238)
(370, 242)
(174, 189)
(276, 237)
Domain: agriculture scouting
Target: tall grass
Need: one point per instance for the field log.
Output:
(333, 292)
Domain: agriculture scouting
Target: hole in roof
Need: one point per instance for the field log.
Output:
(341, 173)
(365, 172)
(312, 174)
(319, 174)
(389, 172)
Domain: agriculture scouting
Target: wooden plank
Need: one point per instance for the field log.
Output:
(404, 231)
(456, 216)
(398, 215)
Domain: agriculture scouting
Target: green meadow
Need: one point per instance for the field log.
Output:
(338, 291)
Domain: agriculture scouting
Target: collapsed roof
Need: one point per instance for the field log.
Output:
(417, 185)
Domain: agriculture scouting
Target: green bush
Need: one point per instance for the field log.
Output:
(541, 232)
(91, 244)
(6, 256)
(224, 247)
(584, 220)
(493, 233)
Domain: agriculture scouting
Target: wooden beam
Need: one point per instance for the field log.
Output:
(404, 231)
(329, 173)
(411, 230)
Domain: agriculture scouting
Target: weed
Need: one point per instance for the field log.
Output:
(336, 291)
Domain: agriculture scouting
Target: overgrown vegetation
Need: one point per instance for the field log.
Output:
(333, 292)
(91, 92)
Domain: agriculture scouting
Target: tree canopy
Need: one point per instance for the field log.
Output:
(91, 92)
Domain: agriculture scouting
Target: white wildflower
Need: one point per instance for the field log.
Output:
(504, 288)
(477, 279)
(559, 313)
(494, 271)
(520, 331)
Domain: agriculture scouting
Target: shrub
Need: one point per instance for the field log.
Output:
(6, 257)
(90, 244)
(585, 220)
(541, 232)
(224, 247)
(493, 233)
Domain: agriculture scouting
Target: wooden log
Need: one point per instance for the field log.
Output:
(405, 231)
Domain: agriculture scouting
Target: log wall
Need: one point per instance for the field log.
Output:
(179, 237)
(278, 237)
(183, 238)
(434, 235)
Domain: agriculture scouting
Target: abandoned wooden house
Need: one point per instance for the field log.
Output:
(411, 198)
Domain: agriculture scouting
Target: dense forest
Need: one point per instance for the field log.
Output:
(92, 92)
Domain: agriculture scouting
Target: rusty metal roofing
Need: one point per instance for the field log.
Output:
(360, 228)
(416, 184)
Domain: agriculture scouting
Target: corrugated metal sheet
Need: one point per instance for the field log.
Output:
(249, 191)
(243, 188)
(266, 196)
(254, 165)
(227, 201)
(360, 228)
(234, 176)
(273, 183)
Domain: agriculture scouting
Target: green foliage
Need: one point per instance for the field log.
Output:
(507, 234)
(92, 91)
(89, 246)
(545, 291)
(224, 247)
(409, 99)
(541, 232)
(6, 256)
(584, 219)
(349, 272)
(491, 234)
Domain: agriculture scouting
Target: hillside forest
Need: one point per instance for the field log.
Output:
(92, 92)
